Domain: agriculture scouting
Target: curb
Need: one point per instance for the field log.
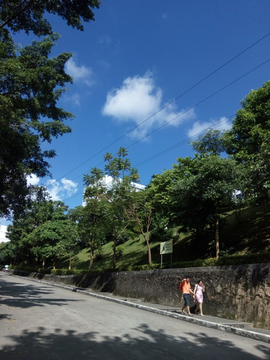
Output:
(227, 328)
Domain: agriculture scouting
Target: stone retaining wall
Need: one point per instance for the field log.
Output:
(233, 292)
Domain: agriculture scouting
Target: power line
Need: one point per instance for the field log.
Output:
(176, 98)
(181, 143)
(199, 103)
(166, 150)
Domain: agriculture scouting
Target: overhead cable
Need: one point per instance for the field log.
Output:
(176, 98)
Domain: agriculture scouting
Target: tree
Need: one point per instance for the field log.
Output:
(31, 83)
(251, 125)
(211, 143)
(206, 192)
(38, 210)
(111, 198)
(28, 15)
(257, 175)
(49, 240)
(248, 141)
(92, 226)
(138, 208)
(71, 236)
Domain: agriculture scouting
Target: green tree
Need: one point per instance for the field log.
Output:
(138, 208)
(251, 125)
(38, 210)
(248, 142)
(31, 83)
(117, 219)
(211, 143)
(92, 226)
(49, 240)
(206, 192)
(28, 15)
(110, 199)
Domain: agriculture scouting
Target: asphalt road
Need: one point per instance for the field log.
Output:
(39, 321)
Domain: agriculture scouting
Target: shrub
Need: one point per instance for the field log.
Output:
(119, 251)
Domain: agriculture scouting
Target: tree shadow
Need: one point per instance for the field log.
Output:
(20, 296)
(141, 343)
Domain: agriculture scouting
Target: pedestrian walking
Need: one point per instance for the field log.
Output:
(198, 296)
(186, 289)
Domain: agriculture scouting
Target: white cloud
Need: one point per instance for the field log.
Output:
(138, 99)
(32, 179)
(198, 128)
(60, 190)
(80, 73)
(105, 39)
(75, 99)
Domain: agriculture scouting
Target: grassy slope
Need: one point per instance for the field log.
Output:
(245, 232)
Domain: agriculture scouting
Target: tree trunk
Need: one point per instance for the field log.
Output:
(217, 238)
(69, 265)
(43, 263)
(91, 258)
(114, 251)
(149, 252)
(54, 265)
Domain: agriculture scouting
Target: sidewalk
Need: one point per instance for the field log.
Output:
(231, 326)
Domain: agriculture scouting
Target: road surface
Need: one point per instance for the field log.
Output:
(39, 321)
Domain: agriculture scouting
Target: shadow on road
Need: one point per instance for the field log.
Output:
(141, 344)
(21, 296)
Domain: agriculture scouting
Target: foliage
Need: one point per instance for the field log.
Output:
(248, 141)
(43, 231)
(211, 143)
(111, 197)
(39, 209)
(91, 226)
(28, 15)
(251, 126)
(119, 251)
(206, 192)
(31, 83)
(49, 240)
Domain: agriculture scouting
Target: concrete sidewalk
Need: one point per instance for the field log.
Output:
(231, 326)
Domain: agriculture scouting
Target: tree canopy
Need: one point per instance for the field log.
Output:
(31, 83)
(28, 15)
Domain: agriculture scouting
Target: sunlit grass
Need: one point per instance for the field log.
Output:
(244, 232)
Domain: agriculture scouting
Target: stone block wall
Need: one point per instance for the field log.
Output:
(232, 292)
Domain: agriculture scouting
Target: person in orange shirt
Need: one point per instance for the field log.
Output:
(186, 289)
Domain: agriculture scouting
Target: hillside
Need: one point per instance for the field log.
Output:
(244, 233)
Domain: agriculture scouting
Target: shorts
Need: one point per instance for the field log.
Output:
(186, 299)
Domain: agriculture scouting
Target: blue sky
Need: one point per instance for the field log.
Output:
(136, 58)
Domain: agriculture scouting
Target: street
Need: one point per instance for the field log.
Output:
(39, 321)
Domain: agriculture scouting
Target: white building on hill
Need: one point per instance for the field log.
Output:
(3, 232)
(108, 181)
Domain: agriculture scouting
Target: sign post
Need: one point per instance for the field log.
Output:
(166, 247)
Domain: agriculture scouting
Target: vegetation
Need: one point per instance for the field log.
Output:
(215, 208)
(245, 236)
(31, 83)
